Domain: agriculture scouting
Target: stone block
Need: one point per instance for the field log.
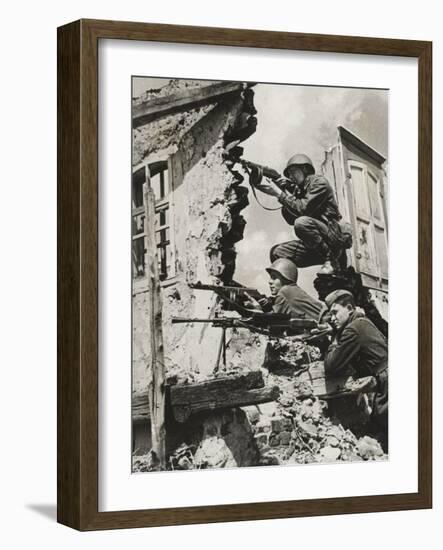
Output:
(285, 438)
(261, 440)
(277, 424)
(287, 424)
(252, 413)
(263, 425)
(274, 440)
(369, 448)
(309, 428)
(330, 454)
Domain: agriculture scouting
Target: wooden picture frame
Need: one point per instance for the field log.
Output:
(78, 274)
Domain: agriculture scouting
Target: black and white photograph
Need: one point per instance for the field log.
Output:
(218, 287)
(259, 274)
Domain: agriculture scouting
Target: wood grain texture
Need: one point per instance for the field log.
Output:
(254, 38)
(78, 269)
(196, 97)
(425, 274)
(68, 276)
(205, 395)
(156, 362)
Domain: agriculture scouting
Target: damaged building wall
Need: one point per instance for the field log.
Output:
(205, 222)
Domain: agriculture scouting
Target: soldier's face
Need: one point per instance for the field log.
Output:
(339, 315)
(295, 173)
(275, 284)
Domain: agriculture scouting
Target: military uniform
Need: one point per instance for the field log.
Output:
(315, 216)
(361, 345)
(294, 301)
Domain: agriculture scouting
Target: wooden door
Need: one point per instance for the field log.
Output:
(370, 228)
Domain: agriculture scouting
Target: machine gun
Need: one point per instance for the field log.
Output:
(235, 295)
(269, 324)
(261, 322)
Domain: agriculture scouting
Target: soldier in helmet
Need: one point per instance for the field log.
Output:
(287, 298)
(310, 206)
(286, 295)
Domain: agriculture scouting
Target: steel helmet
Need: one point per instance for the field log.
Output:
(285, 268)
(299, 159)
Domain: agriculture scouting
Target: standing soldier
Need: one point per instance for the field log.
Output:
(309, 205)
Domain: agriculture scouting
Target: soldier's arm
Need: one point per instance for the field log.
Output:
(281, 305)
(264, 303)
(288, 216)
(342, 353)
(316, 196)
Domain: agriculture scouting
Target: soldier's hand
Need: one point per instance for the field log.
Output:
(250, 303)
(322, 329)
(269, 188)
(360, 312)
(325, 316)
(265, 303)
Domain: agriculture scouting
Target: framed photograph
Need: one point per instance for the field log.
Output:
(244, 274)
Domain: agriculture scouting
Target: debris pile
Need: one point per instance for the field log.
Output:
(301, 428)
(291, 354)
(296, 428)
(221, 439)
(303, 434)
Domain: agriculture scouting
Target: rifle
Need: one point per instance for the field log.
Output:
(257, 172)
(271, 324)
(233, 294)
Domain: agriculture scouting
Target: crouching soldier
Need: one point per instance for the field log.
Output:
(309, 205)
(357, 343)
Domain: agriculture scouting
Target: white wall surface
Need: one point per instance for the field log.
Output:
(28, 275)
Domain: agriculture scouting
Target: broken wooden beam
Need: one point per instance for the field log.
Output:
(156, 364)
(223, 398)
(216, 393)
(181, 101)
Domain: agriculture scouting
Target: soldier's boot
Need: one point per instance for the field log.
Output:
(342, 260)
(334, 263)
(326, 269)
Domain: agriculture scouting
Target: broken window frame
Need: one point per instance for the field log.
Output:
(163, 203)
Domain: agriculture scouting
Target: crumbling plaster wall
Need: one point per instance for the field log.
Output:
(206, 205)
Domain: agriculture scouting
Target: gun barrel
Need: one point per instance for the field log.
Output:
(303, 323)
(267, 170)
(214, 320)
(189, 320)
(200, 286)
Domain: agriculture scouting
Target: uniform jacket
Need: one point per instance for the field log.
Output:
(317, 200)
(293, 300)
(358, 344)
